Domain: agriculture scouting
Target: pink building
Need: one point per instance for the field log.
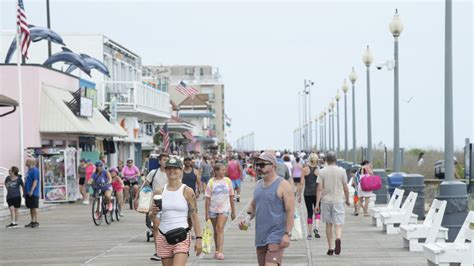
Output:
(48, 120)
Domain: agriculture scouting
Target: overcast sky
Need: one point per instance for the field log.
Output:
(265, 50)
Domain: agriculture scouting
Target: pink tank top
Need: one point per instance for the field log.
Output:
(233, 170)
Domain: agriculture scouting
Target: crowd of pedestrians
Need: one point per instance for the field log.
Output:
(283, 181)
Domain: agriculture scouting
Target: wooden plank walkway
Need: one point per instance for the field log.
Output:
(67, 236)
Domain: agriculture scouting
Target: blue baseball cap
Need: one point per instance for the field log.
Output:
(99, 163)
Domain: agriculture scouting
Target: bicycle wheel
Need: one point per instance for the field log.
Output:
(131, 196)
(113, 209)
(117, 210)
(107, 213)
(97, 211)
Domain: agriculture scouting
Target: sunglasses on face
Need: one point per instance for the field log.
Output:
(262, 165)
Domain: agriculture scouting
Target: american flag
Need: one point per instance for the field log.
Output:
(166, 137)
(189, 135)
(25, 38)
(188, 91)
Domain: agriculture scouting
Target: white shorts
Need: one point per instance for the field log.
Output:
(332, 213)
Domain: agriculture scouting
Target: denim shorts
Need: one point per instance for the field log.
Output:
(215, 214)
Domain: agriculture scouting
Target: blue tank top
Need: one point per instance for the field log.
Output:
(270, 217)
(102, 178)
(190, 179)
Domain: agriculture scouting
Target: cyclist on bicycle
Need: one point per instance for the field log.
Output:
(102, 180)
(130, 175)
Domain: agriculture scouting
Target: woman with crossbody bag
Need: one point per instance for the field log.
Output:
(177, 202)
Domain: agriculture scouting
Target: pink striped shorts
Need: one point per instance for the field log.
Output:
(167, 251)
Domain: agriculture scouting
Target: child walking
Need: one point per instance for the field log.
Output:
(219, 206)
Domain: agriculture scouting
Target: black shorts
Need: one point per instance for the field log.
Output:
(130, 183)
(32, 202)
(15, 202)
(297, 179)
(82, 181)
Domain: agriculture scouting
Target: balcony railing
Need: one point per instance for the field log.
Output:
(137, 97)
(196, 78)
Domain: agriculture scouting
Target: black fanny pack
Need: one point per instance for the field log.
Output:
(176, 235)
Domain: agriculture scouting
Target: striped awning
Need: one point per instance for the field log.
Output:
(56, 117)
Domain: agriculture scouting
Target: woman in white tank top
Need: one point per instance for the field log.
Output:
(178, 202)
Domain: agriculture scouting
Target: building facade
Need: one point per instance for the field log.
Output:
(206, 80)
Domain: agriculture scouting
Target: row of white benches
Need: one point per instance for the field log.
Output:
(429, 237)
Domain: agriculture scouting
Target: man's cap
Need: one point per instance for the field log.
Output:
(269, 157)
(188, 157)
(99, 163)
(174, 163)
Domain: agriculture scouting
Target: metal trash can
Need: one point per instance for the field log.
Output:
(382, 193)
(415, 183)
(394, 180)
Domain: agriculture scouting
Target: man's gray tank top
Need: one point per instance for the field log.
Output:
(270, 217)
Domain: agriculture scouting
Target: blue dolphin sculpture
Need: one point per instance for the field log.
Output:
(68, 57)
(92, 63)
(37, 34)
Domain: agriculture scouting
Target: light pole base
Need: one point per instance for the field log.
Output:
(382, 193)
(455, 193)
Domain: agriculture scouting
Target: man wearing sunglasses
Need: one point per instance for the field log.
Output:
(273, 207)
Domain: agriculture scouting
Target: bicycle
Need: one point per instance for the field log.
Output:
(99, 208)
(116, 208)
(131, 192)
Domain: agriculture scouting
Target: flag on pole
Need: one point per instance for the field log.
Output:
(185, 90)
(166, 137)
(23, 30)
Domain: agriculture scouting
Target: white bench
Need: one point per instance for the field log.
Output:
(391, 219)
(393, 204)
(430, 231)
(461, 251)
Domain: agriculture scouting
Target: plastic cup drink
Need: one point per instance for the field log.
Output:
(157, 200)
(246, 223)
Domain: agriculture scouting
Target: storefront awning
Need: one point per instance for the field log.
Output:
(7, 102)
(56, 117)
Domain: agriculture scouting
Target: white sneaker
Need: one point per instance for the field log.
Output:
(121, 214)
(86, 202)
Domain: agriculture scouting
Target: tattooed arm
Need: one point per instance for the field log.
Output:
(192, 208)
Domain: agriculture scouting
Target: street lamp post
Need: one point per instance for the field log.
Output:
(338, 97)
(454, 192)
(333, 103)
(367, 58)
(396, 28)
(316, 133)
(324, 130)
(353, 79)
(329, 128)
(321, 135)
(345, 87)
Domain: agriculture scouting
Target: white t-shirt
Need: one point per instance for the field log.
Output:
(159, 180)
(333, 178)
(220, 195)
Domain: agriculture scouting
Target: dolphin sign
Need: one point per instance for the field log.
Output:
(68, 57)
(92, 63)
(37, 34)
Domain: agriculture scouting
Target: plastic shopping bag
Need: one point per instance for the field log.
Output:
(207, 238)
(145, 200)
(296, 232)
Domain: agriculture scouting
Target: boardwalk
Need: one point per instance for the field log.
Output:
(67, 236)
